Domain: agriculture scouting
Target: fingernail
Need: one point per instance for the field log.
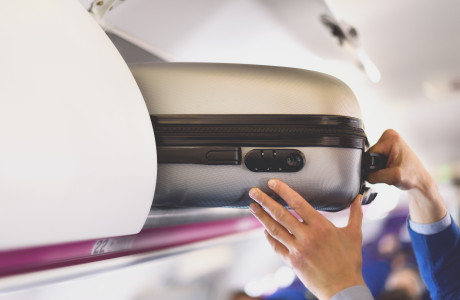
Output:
(253, 207)
(272, 183)
(253, 193)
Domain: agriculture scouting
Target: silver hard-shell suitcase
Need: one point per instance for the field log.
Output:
(223, 128)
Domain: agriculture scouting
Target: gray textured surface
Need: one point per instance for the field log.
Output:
(331, 178)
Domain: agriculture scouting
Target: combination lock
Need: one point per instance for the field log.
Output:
(274, 160)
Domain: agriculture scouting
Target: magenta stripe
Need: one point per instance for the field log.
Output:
(48, 257)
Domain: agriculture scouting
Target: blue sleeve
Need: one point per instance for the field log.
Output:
(432, 228)
(438, 257)
(360, 292)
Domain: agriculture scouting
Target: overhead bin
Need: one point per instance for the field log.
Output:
(77, 149)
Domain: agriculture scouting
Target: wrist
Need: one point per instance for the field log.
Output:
(354, 292)
(334, 290)
(426, 185)
(425, 203)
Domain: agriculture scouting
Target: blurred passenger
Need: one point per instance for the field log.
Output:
(386, 253)
(408, 280)
(395, 295)
(389, 244)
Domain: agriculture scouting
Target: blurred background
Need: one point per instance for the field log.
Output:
(401, 58)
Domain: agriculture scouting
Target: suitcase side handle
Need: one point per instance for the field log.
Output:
(199, 155)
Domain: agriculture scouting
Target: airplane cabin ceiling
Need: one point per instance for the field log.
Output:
(415, 44)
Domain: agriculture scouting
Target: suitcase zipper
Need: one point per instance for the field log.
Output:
(259, 130)
(191, 138)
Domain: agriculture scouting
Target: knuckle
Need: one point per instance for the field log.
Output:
(324, 229)
(297, 259)
(277, 213)
(314, 242)
(293, 260)
(301, 250)
(393, 135)
(372, 178)
(289, 260)
(277, 248)
(322, 232)
(389, 132)
(296, 204)
(261, 201)
(273, 230)
(297, 249)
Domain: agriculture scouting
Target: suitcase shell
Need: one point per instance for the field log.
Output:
(261, 100)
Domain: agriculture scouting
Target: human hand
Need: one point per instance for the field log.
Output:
(326, 259)
(405, 171)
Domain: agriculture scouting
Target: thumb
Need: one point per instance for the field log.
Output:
(356, 214)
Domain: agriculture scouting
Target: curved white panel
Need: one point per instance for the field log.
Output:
(77, 150)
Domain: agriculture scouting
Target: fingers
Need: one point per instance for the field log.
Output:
(391, 145)
(391, 176)
(277, 246)
(293, 199)
(386, 141)
(276, 210)
(272, 227)
(356, 213)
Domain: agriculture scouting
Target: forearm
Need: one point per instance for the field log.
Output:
(405, 171)
(425, 203)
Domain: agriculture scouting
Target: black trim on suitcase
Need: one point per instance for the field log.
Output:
(259, 131)
(251, 119)
(199, 155)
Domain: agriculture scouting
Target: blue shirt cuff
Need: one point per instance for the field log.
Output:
(360, 292)
(433, 228)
